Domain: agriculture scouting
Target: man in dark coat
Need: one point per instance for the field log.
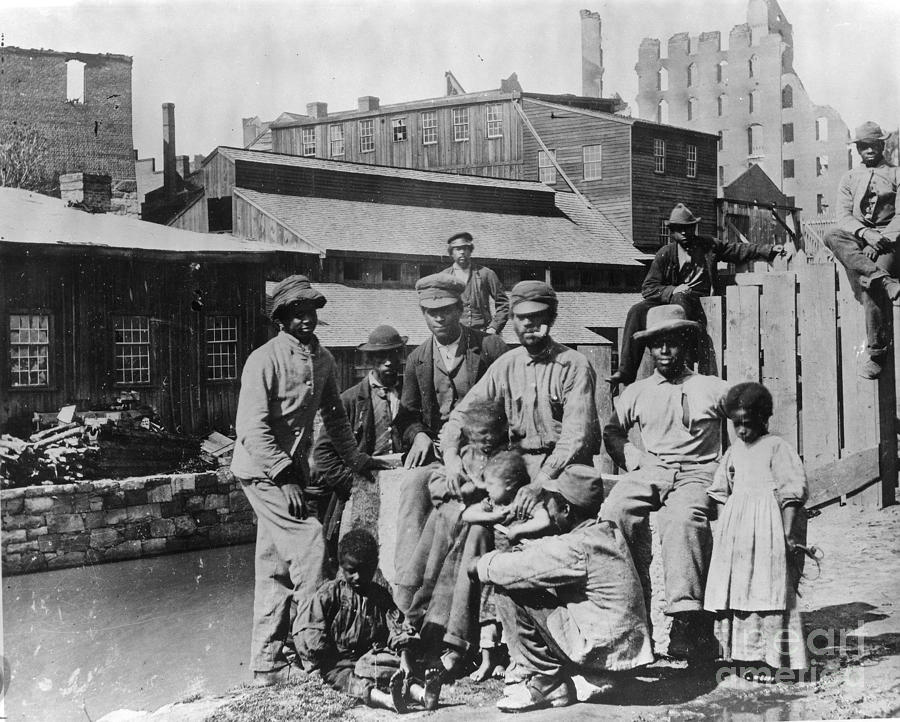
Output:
(682, 272)
(481, 285)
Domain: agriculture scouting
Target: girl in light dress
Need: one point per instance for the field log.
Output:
(760, 488)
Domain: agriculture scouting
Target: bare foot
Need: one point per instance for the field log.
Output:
(482, 673)
(433, 683)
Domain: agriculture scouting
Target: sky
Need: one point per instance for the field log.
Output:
(221, 61)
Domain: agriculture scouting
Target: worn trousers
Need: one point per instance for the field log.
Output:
(861, 271)
(679, 497)
(413, 510)
(536, 649)
(290, 555)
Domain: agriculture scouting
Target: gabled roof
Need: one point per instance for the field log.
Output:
(360, 227)
(34, 219)
(351, 313)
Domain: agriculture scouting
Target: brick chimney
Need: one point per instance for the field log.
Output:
(93, 192)
(183, 166)
(368, 102)
(170, 170)
(317, 110)
(591, 55)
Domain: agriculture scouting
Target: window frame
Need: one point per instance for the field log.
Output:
(593, 163)
(49, 385)
(399, 128)
(460, 117)
(430, 130)
(788, 168)
(691, 161)
(787, 129)
(332, 140)
(308, 143)
(659, 156)
(542, 167)
(662, 235)
(210, 344)
(496, 122)
(370, 136)
(115, 317)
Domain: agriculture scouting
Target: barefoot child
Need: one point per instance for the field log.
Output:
(353, 633)
(762, 486)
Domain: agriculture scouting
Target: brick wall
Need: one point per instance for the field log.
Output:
(65, 525)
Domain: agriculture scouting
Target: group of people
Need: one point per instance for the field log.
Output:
(505, 537)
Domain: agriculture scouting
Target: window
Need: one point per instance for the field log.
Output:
(721, 145)
(546, 169)
(366, 136)
(821, 205)
(790, 200)
(29, 349)
(787, 168)
(74, 81)
(752, 66)
(663, 235)
(787, 97)
(692, 108)
(662, 79)
(692, 74)
(398, 129)
(821, 165)
(754, 101)
(720, 105)
(429, 127)
(720, 70)
(659, 155)
(495, 121)
(692, 161)
(390, 271)
(662, 112)
(221, 348)
(755, 140)
(591, 155)
(460, 124)
(131, 349)
(721, 175)
(787, 132)
(308, 141)
(352, 271)
(336, 138)
(821, 128)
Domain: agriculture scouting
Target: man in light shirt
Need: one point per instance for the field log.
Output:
(481, 286)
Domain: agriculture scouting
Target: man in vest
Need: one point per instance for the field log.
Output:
(481, 285)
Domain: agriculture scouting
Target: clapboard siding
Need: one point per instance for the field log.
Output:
(194, 218)
(218, 176)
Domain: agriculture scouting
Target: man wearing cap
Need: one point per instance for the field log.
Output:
(865, 237)
(439, 372)
(371, 407)
(284, 382)
(682, 272)
(548, 392)
(481, 285)
(679, 414)
(577, 597)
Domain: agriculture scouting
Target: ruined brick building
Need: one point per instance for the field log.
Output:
(750, 95)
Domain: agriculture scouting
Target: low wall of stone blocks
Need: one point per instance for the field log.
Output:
(65, 525)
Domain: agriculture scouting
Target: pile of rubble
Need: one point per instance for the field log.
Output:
(53, 456)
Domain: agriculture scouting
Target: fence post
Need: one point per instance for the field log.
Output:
(887, 418)
(600, 358)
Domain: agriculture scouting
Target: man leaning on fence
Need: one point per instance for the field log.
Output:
(865, 237)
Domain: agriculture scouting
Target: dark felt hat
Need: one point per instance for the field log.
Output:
(670, 317)
(681, 216)
(439, 290)
(868, 132)
(295, 288)
(384, 338)
(580, 485)
(532, 297)
(459, 240)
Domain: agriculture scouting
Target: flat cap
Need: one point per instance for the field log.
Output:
(439, 290)
(458, 240)
(580, 485)
(531, 297)
(295, 288)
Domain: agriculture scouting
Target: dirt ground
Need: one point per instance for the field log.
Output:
(851, 616)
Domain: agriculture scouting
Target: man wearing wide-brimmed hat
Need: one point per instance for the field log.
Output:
(865, 237)
(481, 285)
(682, 272)
(679, 414)
(371, 406)
(284, 382)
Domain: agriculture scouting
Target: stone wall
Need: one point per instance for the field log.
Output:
(65, 525)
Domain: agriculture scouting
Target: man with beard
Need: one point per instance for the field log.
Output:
(481, 285)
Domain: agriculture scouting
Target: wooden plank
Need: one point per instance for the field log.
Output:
(712, 362)
(887, 419)
(830, 482)
(778, 333)
(742, 334)
(600, 358)
(860, 430)
(817, 326)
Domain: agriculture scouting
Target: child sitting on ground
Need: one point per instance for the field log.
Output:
(750, 587)
(353, 633)
(504, 474)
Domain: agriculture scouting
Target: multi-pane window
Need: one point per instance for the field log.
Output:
(131, 349)
(308, 141)
(398, 129)
(429, 127)
(591, 154)
(29, 349)
(460, 123)
(659, 155)
(390, 272)
(787, 168)
(663, 231)
(692, 161)
(787, 132)
(221, 347)
(336, 139)
(546, 169)
(366, 135)
(495, 121)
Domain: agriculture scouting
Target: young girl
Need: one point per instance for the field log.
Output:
(762, 487)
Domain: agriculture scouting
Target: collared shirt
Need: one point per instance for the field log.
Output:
(867, 198)
(390, 393)
(385, 404)
(549, 402)
(283, 384)
(482, 285)
(447, 353)
(680, 421)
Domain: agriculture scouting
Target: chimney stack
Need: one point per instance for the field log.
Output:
(317, 110)
(88, 190)
(169, 169)
(591, 55)
(183, 166)
(367, 102)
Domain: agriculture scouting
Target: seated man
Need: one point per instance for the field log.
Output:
(866, 235)
(682, 272)
(578, 606)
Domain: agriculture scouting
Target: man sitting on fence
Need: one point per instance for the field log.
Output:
(682, 272)
(866, 235)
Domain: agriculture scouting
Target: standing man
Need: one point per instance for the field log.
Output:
(679, 414)
(865, 238)
(682, 272)
(439, 373)
(371, 407)
(481, 285)
(284, 382)
(577, 598)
